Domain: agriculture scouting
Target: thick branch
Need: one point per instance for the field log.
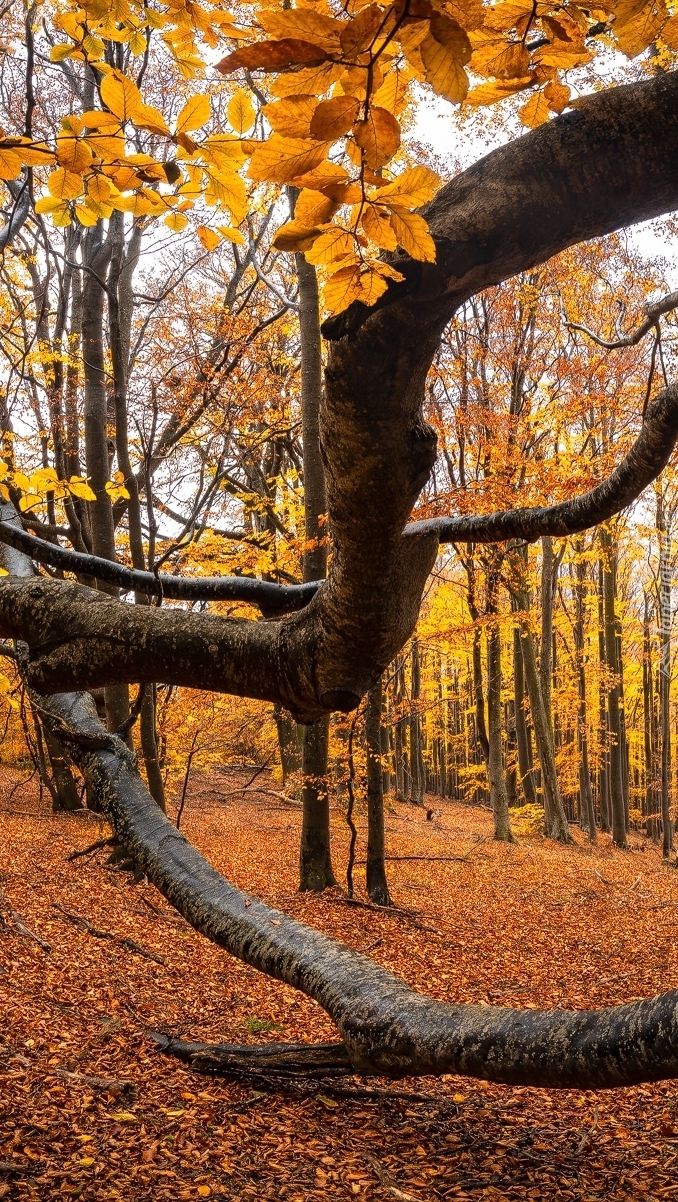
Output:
(648, 456)
(610, 162)
(271, 598)
(387, 1028)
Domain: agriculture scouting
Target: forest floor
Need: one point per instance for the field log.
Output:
(533, 925)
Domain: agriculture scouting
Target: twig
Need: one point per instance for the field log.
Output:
(132, 946)
(87, 851)
(20, 1170)
(351, 805)
(388, 1183)
(21, 925)
(117, 1087)
(187, 773)
(363, 905)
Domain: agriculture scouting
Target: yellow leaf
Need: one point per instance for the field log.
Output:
(557, 95)
(303, 23)
(208, 237)
(280, 160)
(124, 1116)
(413, 188)
(314, 208)
(292, 116)
(333, 118)
(196, 112)
(393, 92)
(491, 93)
(137, 43)
(98, 119)
(504, 61)
(64, 185)
(10, 164)
(342, 288)
(413, 235)
(87, 1162)
(331, 245)
(33, 154)
(63, 51)
(84, 1139)
(150, 118)
(232, 235)
(204, 1191)
(21, 481)
(241, 112)
(564, 55)
(326, 178)
(309, 80)
(228, 190)
(359, 33)
(121, 95)
(536, 111)
(72, 154)
(378, 137)
(636, 35)
(80, 488)
(273, 56)
(176, 221)
(93, 47)
(99, 187)
(295, 236)
(4, 572)
(378, 228)
(669, 33)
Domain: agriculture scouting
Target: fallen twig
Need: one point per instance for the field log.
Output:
(83, 924)
(86, 851)
(120, 1088)
(20, 1170)
(397, 910)
(386, 1180)
(21, 925)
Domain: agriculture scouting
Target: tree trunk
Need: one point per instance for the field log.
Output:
(665, 574)
(495, 766)
(522, 732)
(417, 770)
(586, 808)
(617, 794)
(555, 820)
(289, 742)
(377, 885)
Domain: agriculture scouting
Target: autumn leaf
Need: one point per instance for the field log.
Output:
(73, 154)
(444, 70)
(669, 33)
(124, 1116)
(378, 137)
(176, 221)
(240, 112)
(272, 56)
(412, 189)
(292, 116)
(490, 93)
(79, 487)
(333, 244)
(557, 95)
(333, 118)
(209, 238)
(413, 234)
(295, 236)
(64, 185)
(194, 113)
(10, 164)
(280, 160)
(314, 208)
(536, 111)
(121, 95)
(377, 225)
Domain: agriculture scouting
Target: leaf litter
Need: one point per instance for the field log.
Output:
(532, 925)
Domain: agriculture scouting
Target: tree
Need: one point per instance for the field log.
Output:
(609, 162)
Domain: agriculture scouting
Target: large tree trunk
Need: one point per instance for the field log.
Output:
(586, 808)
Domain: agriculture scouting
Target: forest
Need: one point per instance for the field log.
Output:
(338, 532)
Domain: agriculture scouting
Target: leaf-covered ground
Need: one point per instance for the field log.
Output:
(530, 925)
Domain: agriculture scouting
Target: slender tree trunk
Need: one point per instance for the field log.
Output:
(377, 885)
(495, 766)
(648, 725)
(417, 770)
(555, 819)
(586, 807)
(619, 806)
(522, 732)
(664, 674)
(289, 742)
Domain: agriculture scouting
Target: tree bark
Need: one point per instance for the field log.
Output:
(377, 885)
(617, 794)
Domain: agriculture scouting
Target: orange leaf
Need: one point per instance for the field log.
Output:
(273, 56)
(378, 137)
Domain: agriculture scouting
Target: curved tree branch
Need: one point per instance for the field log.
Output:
(386, 1027)
(647, 458)
(271, 598)
(653, 312)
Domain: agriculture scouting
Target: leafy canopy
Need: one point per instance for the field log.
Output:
(325, 90)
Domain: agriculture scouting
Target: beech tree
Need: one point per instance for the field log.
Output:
(608, 162)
